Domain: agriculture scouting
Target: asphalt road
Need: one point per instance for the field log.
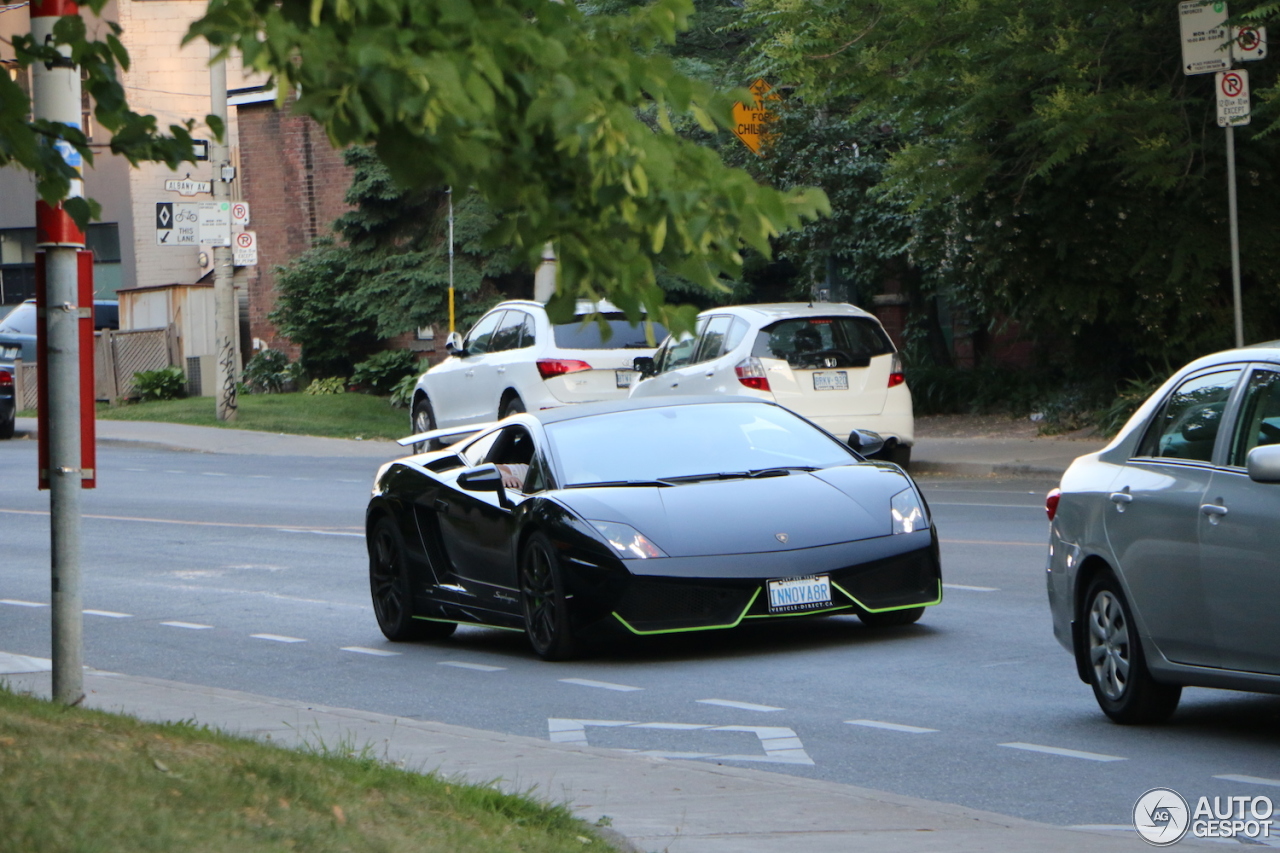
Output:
(249, 573)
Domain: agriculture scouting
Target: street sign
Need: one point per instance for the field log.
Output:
(750, 123)
(244, 251)
(215, 223)
(1204, 36)
(1232, 89)
(177, 223)
(188, 187)
(240, 213)
(1249, 43)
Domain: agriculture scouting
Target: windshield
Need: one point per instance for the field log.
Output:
(577, 335)
(21, 320)
(689, 442)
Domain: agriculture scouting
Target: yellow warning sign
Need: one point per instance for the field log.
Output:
(751, 123)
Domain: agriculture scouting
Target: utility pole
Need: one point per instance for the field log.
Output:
(224, 295)
(56, 98)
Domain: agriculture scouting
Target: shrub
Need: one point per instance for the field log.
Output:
(168, 383)
(269, 372)
(402, 394)
(381, 373)
(331, 385)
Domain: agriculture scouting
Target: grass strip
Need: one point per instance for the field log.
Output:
(74, 779)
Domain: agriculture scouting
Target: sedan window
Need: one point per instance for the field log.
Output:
(1259, 422)
(1187, 425)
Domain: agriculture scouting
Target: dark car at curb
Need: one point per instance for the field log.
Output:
(647, 517)
(1163, 564)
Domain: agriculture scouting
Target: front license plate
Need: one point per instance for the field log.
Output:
(796, 595)
(625, 378)
(836, 380)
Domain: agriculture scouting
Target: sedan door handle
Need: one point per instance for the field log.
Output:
(1121, 498)
(502, 369)
(469, 374)
(1214, 511)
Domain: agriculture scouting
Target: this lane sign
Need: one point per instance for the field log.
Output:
(177, 224)
(1204, 36)
(1232, 89)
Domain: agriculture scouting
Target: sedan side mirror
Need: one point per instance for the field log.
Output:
(644, 364)
(1264, 464)
(453, 345)
(866, 442)
(485, 478)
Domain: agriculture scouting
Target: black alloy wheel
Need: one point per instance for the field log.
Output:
(891, 618)
(1117, 667)
(546, 613)
(389, 586)
(513, 406)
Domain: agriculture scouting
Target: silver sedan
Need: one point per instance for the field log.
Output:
(1164, 565)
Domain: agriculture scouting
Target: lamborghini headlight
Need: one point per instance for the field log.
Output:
(907, 513)
(630, 543)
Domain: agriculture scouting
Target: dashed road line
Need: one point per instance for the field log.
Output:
(193, 626)
(743, 706)
(212, 474)
(380, 653)
(993, 542)
(968, 588)
(320, 532)
(277, 638)
(239, 524)
(780, 744)
(1066, 753)
(478, 667)
(603, 685)
(19, 603)
(893, 727)
(1249, 780)
(110, 614)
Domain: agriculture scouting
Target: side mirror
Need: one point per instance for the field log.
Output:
(453, 345)
(644, 364)
(1264, 464)
(866, 442)
(485, 478)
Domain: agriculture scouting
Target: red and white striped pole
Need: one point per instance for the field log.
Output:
(56, 97)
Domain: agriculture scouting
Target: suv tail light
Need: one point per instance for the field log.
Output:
(1051, 502)
(751, 373)
(896, 374)
(550, 367)
(6, 379)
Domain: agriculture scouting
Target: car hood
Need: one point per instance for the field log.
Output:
(745, 516)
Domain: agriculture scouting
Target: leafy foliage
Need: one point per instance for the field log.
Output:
(329, 385)
(531, 105)
(382, 372)
(270, 372)
(167, 383)
(402, 393)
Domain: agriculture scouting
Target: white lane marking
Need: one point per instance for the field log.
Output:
(970, 588)
(478, 667)
(319, 532)
(1103, 827)
(603, 685)
(277, 638)
(11, 664)
(893, 727)
(780, 744)
(743, 706)
(381, 653)
(111, 614)
(1249, 780)
(212, 474)
(1067, 753)
(259, 477)
(349, 481)
(18, 603)
(175, 472)
(136, 470)
(194, 626)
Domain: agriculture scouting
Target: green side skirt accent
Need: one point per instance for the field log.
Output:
(937, 600)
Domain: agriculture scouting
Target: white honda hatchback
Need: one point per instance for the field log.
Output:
(515, 360)
(831, 363)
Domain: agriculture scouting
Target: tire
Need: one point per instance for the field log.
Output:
(542, 600)
(900, 456)
(1115, 661)
(423, 420)
(390, 589)
(7, 426)
(513, 406)
(891, 618)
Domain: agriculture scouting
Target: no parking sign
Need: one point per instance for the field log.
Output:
(244, 251)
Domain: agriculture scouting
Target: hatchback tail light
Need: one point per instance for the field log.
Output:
(896, 374)
(751, 373)
(550, 367)
(1051, 502)
(6, 379)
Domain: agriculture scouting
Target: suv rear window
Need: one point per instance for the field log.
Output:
(577, 335)
(807, 342)
(21, 320)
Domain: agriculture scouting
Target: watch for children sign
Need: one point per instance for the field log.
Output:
(750, 122)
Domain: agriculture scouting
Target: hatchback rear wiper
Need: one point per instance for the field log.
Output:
(606, 484)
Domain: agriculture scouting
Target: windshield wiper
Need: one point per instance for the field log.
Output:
(781, 470)
(698, 478)
(606, 484)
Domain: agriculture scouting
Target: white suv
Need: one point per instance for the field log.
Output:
(831, 363)
(515, 359)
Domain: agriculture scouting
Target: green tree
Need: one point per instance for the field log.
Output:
(532, 105)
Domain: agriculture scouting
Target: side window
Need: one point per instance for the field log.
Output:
(680, 353)
(513, 453)
(737, 332)
(1186, 426)
(477, 451)
(508, 334)
(711, 343)
(481, 335)
(527, 338)
(1259, 422)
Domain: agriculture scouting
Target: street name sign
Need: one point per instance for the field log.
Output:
(188, 187)
(1232, 90)
(215, 223)
(750, 123)
(244, 250)
(1204, 37)
(177, 223)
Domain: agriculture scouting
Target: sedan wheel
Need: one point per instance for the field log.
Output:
(390, 588)
(1123, 686)
(546, 614)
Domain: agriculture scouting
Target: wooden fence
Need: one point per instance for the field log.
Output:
(117, 355)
